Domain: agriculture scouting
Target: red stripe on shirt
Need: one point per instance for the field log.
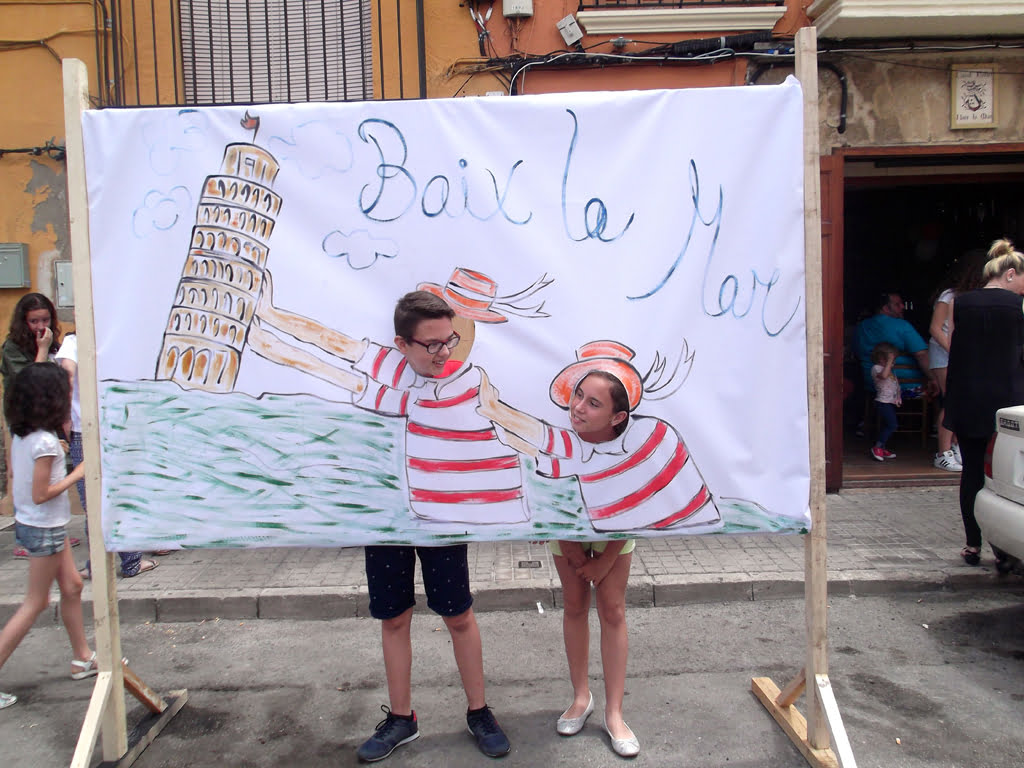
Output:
(567, 443)
(549, 444)
(649, 447)
(398, 372)
(452, 434)
(448, 402)
(380, 397)
(378, 361)
(403, 409)
(696, 503)
(465, 497)
(468, 465)
(657, 483)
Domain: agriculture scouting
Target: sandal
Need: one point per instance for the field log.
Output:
(21, 553)
(971, 555)
(144, 565)
(87, 668)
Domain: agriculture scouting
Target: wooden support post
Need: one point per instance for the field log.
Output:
(840, 742)
(811, 735)
(106, 714)
(104, 586)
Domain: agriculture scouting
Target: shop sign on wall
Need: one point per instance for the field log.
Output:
(973, 96)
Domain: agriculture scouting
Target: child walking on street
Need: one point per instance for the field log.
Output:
(887, 396)
(37, 406)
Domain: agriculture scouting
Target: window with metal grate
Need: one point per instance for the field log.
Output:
(276, 50)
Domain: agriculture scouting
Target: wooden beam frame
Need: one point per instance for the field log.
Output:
(106, 713)
(812, 735)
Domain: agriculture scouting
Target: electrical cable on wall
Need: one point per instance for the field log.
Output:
(50, 149)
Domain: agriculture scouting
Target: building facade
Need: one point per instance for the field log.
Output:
(921, 118)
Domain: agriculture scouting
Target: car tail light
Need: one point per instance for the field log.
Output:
(988, 454)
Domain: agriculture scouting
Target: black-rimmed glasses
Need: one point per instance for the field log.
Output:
(435, 346)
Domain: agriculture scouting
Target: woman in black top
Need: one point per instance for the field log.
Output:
(986, 371)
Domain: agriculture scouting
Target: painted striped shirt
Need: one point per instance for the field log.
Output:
(644, 478)
(457, 469)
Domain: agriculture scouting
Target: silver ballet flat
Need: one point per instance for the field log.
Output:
(624, 747)
(570, 726)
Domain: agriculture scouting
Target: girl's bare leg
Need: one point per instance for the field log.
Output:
(611, 609)
(945, 436)
(70, 584)
(576, 632)
(41, 573)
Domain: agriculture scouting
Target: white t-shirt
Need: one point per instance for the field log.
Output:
(69, 351)
(24, 452)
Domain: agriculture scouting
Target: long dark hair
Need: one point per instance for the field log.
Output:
(40, 398)
(21, 334)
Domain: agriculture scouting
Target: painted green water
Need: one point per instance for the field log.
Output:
(194, 469)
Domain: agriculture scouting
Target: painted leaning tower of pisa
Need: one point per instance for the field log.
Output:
(223, 275)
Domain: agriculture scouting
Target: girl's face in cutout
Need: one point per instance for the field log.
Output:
(591, 413)
(38, 320)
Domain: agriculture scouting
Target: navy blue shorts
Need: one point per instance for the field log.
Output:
(40, 542)
(390, 572)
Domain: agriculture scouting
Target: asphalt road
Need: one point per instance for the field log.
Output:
(930, 680)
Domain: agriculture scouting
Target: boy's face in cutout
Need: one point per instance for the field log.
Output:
(428, 331)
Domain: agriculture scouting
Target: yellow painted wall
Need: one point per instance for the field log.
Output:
(33, 206)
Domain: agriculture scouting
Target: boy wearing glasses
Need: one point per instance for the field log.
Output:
(457, 471)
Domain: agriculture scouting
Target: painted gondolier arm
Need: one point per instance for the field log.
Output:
(270, 347)
(516, 429)
(305, 329)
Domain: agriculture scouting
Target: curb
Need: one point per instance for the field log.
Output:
(325, 603)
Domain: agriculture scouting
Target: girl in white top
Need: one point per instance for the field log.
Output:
(941, 330)
(38, 405)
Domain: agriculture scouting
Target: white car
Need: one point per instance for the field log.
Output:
(999, 507)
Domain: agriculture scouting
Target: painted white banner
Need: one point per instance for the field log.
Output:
(246, 266)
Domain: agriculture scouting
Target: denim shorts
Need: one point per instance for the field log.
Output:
(390, 572)
(40, 542)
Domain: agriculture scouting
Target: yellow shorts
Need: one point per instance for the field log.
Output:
(596, 546)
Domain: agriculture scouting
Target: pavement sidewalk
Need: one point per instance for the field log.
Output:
(879, 541)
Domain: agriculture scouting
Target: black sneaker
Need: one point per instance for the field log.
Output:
(489, 737)
(391, 733)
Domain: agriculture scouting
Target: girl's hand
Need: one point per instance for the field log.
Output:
(43, 341)
(573, 552)
(596, 569)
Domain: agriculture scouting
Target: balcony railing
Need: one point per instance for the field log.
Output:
(607, 5)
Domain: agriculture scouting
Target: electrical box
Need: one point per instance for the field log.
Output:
(517, 9)
(65, 285)
(570, 30)
(14, 266)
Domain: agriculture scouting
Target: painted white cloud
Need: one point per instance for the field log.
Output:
(314, 148)
(359, 248)
(171, 141)
(161, 211)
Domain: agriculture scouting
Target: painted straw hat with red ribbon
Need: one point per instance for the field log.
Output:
(608, 356)
(474, 295)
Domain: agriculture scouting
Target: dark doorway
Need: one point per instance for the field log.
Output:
(912, 235)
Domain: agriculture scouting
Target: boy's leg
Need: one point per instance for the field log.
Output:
(446, 581)
(389, 576)
(396, 643)
(469, 655)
